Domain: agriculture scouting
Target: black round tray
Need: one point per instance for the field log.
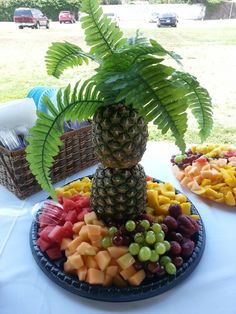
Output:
(149, 287)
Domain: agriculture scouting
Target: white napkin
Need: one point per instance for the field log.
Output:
(18, 113)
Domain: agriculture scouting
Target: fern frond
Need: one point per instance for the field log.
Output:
(172, 54)
(61, 56)
(80, 103)
(101, 34)
(199, 101)
(148, 87)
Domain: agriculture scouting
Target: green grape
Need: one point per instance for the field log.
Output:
(160, 248)
(156, 228)
(164, 260)
(160, 236)
(106, 242)
(134, 248)
(130, 225)
(150, 237)
(144, 254)
(170, 269)
(154, 256)
(178, 158)
(167, 245)
(139, 238)
(145, 224)
(112, 231)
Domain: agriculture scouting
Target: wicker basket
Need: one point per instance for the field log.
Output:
(75, 154)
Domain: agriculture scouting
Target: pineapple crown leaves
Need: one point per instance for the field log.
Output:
(129, 71)
(44, 140)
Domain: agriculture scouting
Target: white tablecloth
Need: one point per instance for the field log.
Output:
(211, 288)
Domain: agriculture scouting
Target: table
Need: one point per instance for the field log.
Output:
(211, 288)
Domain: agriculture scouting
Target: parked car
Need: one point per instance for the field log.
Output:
(27, 17)
(114, 17)
(167, 19)
(66, 17)
(154, 17)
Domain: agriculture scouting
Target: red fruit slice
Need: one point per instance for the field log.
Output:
(68, 204)
(148, 178)
(44, 245)
(54, 253)
(45, 232)
(56, 234)
(83, 202)
(72, 216)
(84, 211)
(68, 229)
(201, 160)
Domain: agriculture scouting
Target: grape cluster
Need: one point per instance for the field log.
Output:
(184, 160)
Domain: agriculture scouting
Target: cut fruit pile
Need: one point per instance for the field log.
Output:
(209, 171)
(156, 244)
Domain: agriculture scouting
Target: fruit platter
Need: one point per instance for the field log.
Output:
(137, 259)
(208, 171)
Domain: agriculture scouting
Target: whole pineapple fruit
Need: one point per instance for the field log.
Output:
(119, 185)
(118, 194)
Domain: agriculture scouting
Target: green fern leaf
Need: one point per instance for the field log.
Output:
(61, 56)
(101, 34)
(199, 102)
(148, 87)
(79, 103)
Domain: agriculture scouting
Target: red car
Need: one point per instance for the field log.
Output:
(66, 17)
(27, 17)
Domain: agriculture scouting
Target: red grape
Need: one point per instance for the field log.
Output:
(187, 248)
(175, 248)
(170, 222)
(177, 261)
(175, 210)
(117, 240)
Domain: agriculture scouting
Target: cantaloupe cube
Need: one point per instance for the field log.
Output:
(117, 251)
(112, 270)
(65, 242)
(104, 231)
(82, 272)
(94, 232)
(89, 217)
(107, 281)
(76, 260)
(77, 226)
(98, 222)
(91, 262)
(95, 276)
(119, 281)
(137, 278)
(72, 246)
(84, 233)
(68, 268)
(125, 261)
(97, 242)
(103, 258)
(128, 272)
(86, 249)
(113, 262)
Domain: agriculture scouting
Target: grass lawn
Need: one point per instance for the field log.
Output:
(208, 53)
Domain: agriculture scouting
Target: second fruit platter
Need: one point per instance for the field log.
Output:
(136, 259)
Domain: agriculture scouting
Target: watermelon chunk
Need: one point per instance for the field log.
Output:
(68, 229)
(72, 216)
(83, 202)
(80, 216)
(44, 245)
(54, 253)
(44, 233)
(56, 234)
(68, 204)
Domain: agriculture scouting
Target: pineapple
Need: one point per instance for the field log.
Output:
(119, 136)
(131, 87)
(118, 194)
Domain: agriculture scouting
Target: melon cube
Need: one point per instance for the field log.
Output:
(104, 231)
(94, 232)
(82, 272)
(97, 242)
(119, 282)
(89, 217)
(84, 233)
(128, 272)
(126, 261)
(68, 268)
(77, 226)
(91, 262)
(107, 281)
(76, 260)
(65, 242)
(98, 222)
(112, 270)
(95, 276)
(86, 249)
(117, 251)
(103, 258)
(137, 278)
(72, 246)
